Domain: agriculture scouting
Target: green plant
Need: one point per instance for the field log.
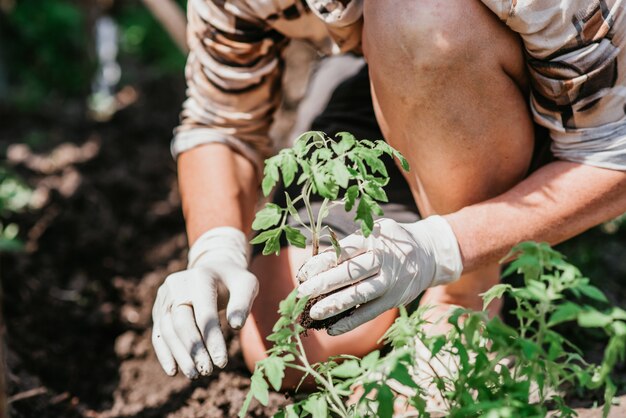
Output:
(341, 172)
(474, 381)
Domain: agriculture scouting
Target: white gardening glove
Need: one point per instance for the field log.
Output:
(389, 268)
(186, 328)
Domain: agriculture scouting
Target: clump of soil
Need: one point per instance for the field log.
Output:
(309, 323)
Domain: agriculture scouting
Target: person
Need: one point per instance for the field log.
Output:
(450, 87)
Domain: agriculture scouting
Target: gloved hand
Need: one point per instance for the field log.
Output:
(389, 268)
(186, 328)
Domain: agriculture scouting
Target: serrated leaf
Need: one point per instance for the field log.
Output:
(264, 236)
(322, 187)
(271, 238)
(316, 406)
(268, 185)
(370, 360)
(364, 214)
(351, 195)
(295, 237)
(403, 162)
(269, 216)
(259, 389)
(385, 399)
(402, 375)
(375, 191)
(496, 292)
(274, 368)
(243, 412)
(287, 305)
(347, 369)
(340, 173)
(593, 292)
(345, 144)
(322, 154)
(289, 167)
(568, 311)
(270, 176)
(594, 319)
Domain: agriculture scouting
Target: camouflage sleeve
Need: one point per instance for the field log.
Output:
(576, 54)
(233, 74)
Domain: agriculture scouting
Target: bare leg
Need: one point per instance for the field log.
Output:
(448, 80)
(277, 279)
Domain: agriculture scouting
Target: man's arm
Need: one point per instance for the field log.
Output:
(218, 187)
(555, 203)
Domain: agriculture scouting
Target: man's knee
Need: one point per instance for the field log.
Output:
(435, 35)
(428, 31)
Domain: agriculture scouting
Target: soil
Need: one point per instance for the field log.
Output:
(105, 231)
(309, 323)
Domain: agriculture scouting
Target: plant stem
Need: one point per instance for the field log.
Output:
(328, 385)
(306, 193)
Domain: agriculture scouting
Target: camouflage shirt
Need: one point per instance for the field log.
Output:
(575, 51)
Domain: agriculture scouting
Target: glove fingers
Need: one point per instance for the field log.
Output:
(357, 294)
(189, 335)
(351, 246)
(182, 357)
(348, 272)
(162, 351)
(361, 315)
(243, 288)
(207, 319)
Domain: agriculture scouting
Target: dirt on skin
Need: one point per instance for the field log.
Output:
(105, 231)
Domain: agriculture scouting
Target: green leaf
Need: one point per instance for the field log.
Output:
(375, 191)
(295, 237)
(364, 214)
(351, 194)
(322, 154)
(259, 389)
(270, 176)
(272, 246)
(321, 186)
(270, 215)
(529, 348)
(264, 236)
(403, 162)
(287, 305)
(496, 292)
(316, 406)
(370, 360)
(385, 402)
(372, 159)
(567, 311)
(347, 369)
(335, 242)
(594, 319)
(274, 368)
(347, 142)
(340, 173)
(243, 412)
(289, 167)
(593, 292)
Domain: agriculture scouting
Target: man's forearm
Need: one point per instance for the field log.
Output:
(218, 187)
(555, 203)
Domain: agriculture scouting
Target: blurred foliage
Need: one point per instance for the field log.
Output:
(44, 50)
(15, 196)
(144, 38)
(46, 47)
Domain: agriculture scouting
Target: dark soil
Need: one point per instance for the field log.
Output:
(309, 323)
(108, 229)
